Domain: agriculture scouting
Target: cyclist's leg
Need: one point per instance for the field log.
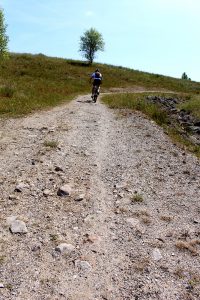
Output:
(99, 84)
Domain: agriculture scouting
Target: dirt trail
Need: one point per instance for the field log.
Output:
(133, 232)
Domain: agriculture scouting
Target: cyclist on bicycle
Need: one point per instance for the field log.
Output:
(96, 79)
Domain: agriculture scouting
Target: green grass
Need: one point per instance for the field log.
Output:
(182, 142)
(192, 105)
(35, 82)
(30, 83)
(137, 198)
(137, 102)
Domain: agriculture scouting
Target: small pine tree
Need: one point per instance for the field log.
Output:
(3, 37)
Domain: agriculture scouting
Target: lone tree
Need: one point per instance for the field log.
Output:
(3, 37)
(91, 42)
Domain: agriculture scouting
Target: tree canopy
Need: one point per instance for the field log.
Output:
(185, 77)
(91, 42)
(3, 37)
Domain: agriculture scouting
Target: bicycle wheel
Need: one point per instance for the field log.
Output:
(95, 98)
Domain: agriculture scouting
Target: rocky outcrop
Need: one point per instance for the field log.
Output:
(188, 123)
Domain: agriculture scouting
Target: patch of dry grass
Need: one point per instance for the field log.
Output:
(139, 213)
(141, 264)
(146, 220)
(51, 144)
(166, 218)
(190, 246)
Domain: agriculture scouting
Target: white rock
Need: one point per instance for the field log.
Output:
(20, 187)
(156, 254)
(65, 248)
(83, 265)
(120, 185)
(46, 192)
(1, 285)
(13, 197)
(11, 219)
(65, 190)
(133, 222)
(18, 226)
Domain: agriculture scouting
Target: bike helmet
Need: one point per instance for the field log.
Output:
(97, 70)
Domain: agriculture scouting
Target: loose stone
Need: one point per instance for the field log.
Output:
(83, 265)
(79, 197)
(13, 197)
(18, 226)
(46, 193)
(20, 187)
(156, 254)
(64, 191)
(58, 169)
(65, 248)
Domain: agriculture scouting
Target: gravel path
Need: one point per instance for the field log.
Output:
(129, 228)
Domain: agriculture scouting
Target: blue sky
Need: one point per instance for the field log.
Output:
(157, 36)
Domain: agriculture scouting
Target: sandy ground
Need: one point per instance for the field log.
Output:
(129, 228)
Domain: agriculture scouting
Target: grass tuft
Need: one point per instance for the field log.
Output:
(166, 218)
(188, 246)
(137, 198)
(51, 144)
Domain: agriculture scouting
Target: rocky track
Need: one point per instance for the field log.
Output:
(96, 204)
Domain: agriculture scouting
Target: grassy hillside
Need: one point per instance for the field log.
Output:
(34, 82)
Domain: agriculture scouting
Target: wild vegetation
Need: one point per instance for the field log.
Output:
(33, 82)
(3, 37)
(137, 101)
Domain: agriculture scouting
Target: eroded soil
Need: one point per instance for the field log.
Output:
(134, 230)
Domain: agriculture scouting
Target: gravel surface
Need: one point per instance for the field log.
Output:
(96, 204)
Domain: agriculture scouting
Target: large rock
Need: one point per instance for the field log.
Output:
(64, 190)
(18, 226)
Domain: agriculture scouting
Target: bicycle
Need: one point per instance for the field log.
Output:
(95, 93)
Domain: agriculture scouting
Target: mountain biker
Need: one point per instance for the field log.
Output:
(96, 79)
